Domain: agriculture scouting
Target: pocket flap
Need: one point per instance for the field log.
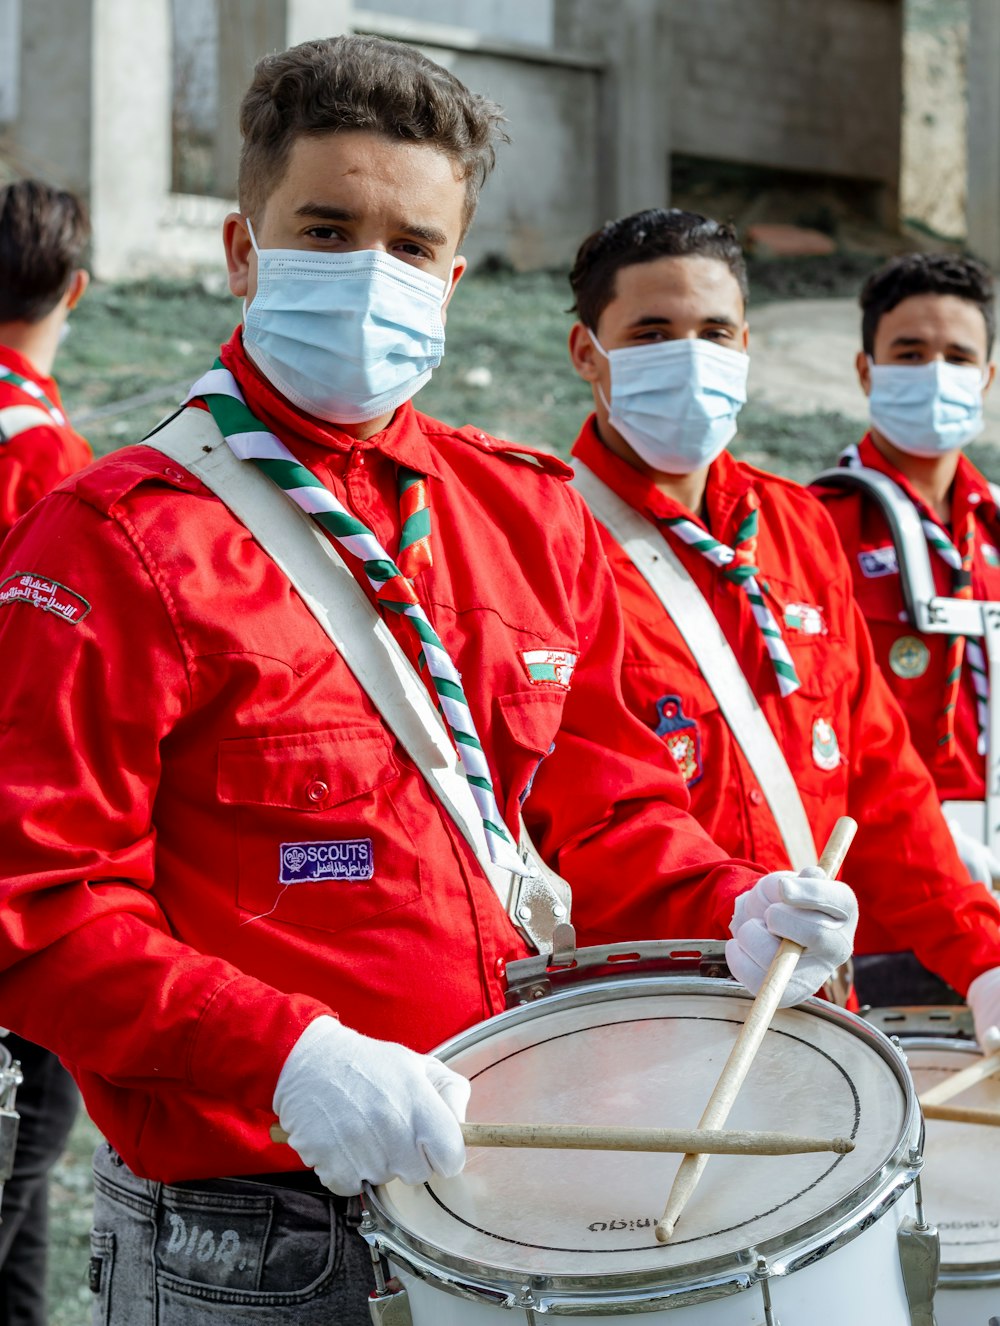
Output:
(305, 771)
(533, 717)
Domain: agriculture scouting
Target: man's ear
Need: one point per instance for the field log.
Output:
(239, 253)
(77, 288)
(991, 372)
(458, 270)
(864, 368)
(745, 337)
(583, 356)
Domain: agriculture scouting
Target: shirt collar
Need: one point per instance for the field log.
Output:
(402, 440)
(728, 482)
(20, 364)
(971, 489)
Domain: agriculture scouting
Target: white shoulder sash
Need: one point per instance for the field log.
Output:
(541, 899)
(663, 571)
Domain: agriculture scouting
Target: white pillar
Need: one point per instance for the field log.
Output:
(94, 116)
(983, 214)
(249, 29)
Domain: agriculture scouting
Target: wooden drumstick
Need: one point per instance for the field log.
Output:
(588, 1137)
(962, 1114)
(748, 1042)
(956, 1083)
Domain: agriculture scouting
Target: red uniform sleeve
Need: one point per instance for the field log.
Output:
(88, 964)
(609, 809)
(913, 890)
(32, 463)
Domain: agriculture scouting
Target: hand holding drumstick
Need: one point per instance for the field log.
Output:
(790, 933)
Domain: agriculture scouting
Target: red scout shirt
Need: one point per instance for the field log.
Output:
(841, 732)
(172, 715)
(33, 462)
(913, 664)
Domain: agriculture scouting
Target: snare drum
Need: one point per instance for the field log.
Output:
(810, 1240)
(961, 1181)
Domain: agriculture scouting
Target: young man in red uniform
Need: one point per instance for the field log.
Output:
(42, 236)
(214, 845)
(927, 334)
(662, 337)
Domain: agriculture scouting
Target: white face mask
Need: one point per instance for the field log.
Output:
(675, 402)
(927, 409)
(346, 337)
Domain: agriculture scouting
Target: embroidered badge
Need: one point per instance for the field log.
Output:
(681, 737)
(991, 555)
(805, 617)
(826, 747)
(909, 657)
(306, 863)
(875, 562)
(49, 595)
(554, 666)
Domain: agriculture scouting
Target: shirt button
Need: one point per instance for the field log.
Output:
(974, 499)
(318, 790)
(176, 475)
(756, 797)
(500, 968)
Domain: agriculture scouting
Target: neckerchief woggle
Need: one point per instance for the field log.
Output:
(248, 439)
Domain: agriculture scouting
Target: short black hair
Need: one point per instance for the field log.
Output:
(660, 232)
(926, 274)
(43, 232)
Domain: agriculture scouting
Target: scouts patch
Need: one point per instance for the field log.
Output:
(875, 562)
(681, 737)
(826, 747)
(307, 863)
(991, 556)
(49, 595)
(909, 657)
(552, 666)
(805, 617)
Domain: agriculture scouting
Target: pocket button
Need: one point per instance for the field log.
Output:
(318, 790)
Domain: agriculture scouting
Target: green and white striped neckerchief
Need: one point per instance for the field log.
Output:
(248, 439)
(33, 390)
(744, 575)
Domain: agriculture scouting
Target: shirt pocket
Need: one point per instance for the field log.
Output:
(322, 839)
(526, 732)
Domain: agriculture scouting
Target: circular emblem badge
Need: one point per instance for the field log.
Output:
(909, 657)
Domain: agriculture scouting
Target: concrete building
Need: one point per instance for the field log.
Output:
(599, 96)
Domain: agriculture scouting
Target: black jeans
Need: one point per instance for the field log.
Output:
(47, 1102)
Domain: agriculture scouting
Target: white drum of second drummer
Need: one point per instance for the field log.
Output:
(961, 1180)
(637, 1035)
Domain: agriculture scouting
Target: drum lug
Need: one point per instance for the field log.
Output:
(919, 1260)
(391, 1308)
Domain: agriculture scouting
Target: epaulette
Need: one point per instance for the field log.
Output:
(496, 446)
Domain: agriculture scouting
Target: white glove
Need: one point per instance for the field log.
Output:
(984, 1000)
(977, 858)
(359, 1109)
(820, 914)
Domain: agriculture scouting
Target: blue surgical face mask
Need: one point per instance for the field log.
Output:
(927, 409)
(346, 337)
(675, 402)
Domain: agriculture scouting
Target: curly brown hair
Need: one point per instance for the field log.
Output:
(381, 87)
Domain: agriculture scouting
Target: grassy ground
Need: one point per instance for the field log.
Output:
(506, 371)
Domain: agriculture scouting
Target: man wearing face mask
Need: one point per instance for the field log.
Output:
(246, 871)
(744, 649)
(927, 333)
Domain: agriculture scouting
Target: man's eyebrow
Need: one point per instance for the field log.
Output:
(906, 342)
(328, 212)
(715, 320)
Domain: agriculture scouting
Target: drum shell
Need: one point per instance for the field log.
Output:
(801, 1270)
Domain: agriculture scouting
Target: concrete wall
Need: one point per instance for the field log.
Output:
(509, 20)
(809, 85)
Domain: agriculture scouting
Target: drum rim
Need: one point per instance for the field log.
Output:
(954, 1275)
(810, 1241)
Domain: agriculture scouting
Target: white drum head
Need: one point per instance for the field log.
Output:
(640, 1054)
(961, 1178)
